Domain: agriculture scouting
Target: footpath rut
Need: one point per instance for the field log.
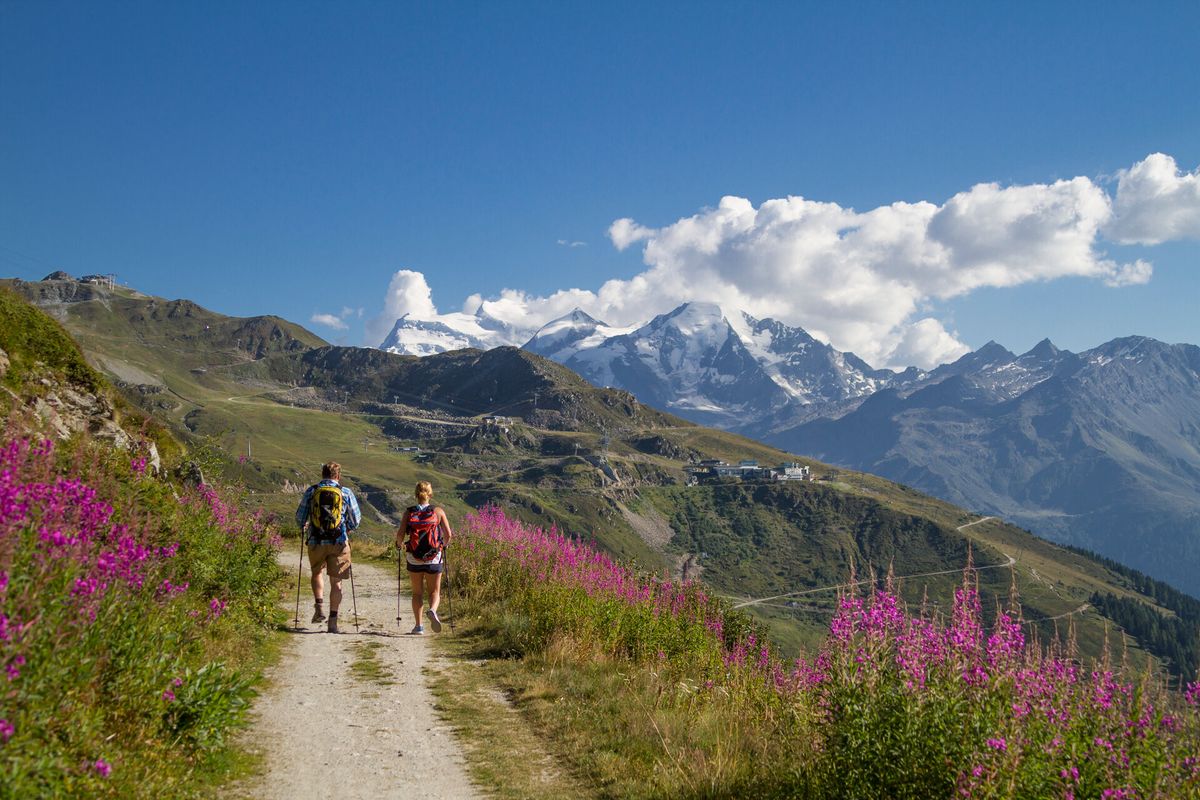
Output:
(324, 732)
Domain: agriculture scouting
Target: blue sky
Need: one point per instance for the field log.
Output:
(290, 158)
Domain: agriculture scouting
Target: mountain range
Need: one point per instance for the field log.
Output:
(1098, 449)
(713, 365)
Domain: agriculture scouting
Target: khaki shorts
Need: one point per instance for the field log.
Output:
(334, 557)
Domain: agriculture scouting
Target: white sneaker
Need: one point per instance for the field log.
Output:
(434, 622)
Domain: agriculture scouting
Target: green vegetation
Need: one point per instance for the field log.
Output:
(1175, 639)
(34, 342)
(1170, 631)
(504, 742)
(132, 631)
(366, 666)
(893, 705)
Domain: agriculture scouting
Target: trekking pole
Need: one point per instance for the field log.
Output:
(449, 604)
(353, 599)
(299, 578)
(399, 567)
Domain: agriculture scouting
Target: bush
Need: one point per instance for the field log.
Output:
(119, 601)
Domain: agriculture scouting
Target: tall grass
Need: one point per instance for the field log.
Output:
(894, 704)
(126, 608)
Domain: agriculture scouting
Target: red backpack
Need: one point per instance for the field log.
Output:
(424, 533)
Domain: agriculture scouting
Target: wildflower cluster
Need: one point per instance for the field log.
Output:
(563, 586)
(893, 704)
(100, 567)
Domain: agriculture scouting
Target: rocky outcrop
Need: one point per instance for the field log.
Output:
(65, 410)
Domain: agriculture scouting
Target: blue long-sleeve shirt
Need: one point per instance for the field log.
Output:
(351, 515)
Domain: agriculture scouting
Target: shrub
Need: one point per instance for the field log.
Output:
(120, 604)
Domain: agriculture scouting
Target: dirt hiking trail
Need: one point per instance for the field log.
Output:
(351, 715)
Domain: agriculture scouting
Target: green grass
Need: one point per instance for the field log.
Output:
(508, 750)
(366, 667)
(34, 343)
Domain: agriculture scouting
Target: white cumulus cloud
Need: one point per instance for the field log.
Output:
(329, 320)
(625, 232)
(408, 293)
(865, 281)
(1156, 203)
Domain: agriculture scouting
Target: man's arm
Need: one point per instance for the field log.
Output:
(302, 509)
(353, 515)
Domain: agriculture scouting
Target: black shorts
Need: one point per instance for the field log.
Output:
(430, 568)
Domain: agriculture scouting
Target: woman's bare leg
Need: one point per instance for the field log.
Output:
(433, 585)
(415, 579)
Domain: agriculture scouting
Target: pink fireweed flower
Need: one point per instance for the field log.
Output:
(13, 668)
(103, 767)
(177, 682)
(85, 587)
(216, 608)
(1007, 641)
(6, 730)
(168, 696)
(168, 589)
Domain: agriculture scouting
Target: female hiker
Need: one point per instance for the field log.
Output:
(423, 538)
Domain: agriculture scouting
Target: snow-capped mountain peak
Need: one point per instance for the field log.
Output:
(709, 362)
(442, 332)
(561, 338)
(713, 363)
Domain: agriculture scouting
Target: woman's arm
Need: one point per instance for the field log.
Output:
(445, 523)
(402, 535)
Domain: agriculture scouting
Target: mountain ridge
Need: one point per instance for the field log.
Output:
(1101, 449)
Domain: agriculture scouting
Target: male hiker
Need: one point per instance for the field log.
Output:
(331, 512)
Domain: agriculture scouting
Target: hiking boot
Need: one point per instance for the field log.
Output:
(332, 627)
(416, 631)
(434, 622)
(318, 614)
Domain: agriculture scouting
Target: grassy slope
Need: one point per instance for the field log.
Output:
(541, 479)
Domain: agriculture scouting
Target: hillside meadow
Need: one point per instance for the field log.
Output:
(648, 688)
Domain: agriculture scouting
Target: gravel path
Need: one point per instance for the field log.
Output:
(326, 733)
